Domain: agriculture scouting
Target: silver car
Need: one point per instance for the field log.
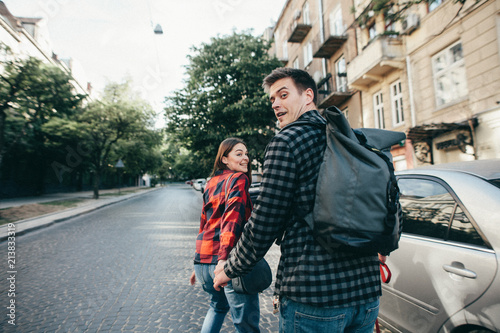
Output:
(445, 274)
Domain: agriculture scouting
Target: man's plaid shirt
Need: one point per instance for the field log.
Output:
(306, 273)
(222, 221)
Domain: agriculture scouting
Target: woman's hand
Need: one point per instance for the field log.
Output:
(220, 267)
(192, 279)
(221, 278)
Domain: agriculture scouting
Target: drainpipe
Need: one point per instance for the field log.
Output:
(322, 34)
(410, 89)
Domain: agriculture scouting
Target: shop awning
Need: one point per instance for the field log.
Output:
(427, 132)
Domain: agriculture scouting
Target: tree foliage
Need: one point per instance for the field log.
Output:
(119, 125)
(393, 11)
(32, 93)
(223, 97)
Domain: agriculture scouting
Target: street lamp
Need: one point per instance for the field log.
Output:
(120, 166)
(158, 30)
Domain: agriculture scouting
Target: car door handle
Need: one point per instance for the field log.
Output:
(460, 271)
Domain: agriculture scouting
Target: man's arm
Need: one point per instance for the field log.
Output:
(271, 214)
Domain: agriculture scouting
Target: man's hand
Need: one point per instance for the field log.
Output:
(221, 278)
(192, 279)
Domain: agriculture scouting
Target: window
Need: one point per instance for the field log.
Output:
(400, 163)
(431, 211)
(296, 64)
(305, 13)
(378, 108)
(308, 57)
(336, 25)
(389, 28)
(285, 50)
(434, 4)
(372, 32)
(30, 28)
(341, 75)
(450, 81)
(346, 113)
(397, 104)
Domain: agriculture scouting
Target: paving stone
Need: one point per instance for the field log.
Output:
(124, 267)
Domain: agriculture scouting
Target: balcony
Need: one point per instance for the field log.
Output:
(284, 60)
(328, 94)
(332, 42)
(298, 31)
(383, 55)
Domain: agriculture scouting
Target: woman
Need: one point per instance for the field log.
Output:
(226, 208)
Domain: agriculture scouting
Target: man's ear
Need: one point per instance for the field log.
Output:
(309, 95)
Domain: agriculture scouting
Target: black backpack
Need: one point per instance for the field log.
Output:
(357, 196)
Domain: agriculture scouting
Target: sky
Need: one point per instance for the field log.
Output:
(111, 40)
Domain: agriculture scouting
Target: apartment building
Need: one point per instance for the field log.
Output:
(430, 70)
(314, 35)
(26, 36)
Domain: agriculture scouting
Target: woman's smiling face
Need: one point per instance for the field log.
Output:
(237, 159)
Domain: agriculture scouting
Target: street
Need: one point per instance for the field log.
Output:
(124, 267)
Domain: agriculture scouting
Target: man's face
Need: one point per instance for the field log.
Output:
(287, 102)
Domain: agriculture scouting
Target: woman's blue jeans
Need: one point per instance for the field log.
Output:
(296, 317)
(245, 310)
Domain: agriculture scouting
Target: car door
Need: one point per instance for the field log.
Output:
(442, 265)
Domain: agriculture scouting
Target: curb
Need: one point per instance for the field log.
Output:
(35, 223)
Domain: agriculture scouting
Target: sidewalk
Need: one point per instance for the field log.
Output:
(34, 223)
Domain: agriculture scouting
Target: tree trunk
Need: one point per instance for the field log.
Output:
(97, 178)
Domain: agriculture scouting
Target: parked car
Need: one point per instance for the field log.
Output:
(445, 274)
(254, 189)
(199, 184)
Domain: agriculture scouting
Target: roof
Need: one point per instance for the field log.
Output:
(487, 169)
(7, 16)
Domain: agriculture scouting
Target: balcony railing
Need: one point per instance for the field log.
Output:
(383, 55)
(298, 31)
(331, 43)
(329, 94)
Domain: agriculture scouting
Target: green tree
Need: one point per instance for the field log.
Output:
(120, 125)
(31, 94)
(140, 153)
(223, 97)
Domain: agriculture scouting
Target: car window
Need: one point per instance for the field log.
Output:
(430, 210)
(463, 231)
(495, 182)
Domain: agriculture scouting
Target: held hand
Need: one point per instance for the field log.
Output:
(220, 267)
(192, 279)
(221, 280)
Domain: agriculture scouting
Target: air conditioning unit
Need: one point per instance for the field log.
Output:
(410, 23)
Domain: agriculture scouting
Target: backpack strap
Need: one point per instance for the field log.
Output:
(300, 215)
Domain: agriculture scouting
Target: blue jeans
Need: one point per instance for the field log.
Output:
(296, 317)
(245, 310)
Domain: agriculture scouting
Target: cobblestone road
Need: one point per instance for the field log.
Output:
(123, 268)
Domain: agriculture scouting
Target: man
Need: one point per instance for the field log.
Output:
(317, 292)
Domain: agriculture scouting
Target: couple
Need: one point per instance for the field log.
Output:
(317, 292)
